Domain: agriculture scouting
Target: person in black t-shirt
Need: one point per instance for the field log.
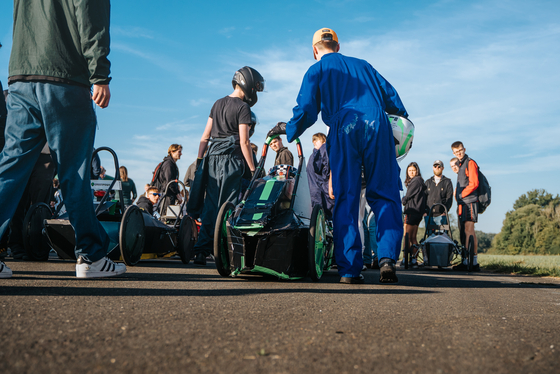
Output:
(220, 172)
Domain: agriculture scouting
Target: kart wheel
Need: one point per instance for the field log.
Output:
(34, 242)
(471, 253)
(221, 252)
(406, 251)
(187, 238)
(317, 243)
(131, 235)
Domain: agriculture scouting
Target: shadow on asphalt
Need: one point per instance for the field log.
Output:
(413, 283)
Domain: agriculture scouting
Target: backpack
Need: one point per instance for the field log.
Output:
(484, 192)
(155, 176)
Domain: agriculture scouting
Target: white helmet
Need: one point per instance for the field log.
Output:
(403, 132)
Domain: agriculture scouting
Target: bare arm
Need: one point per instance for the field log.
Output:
(331, 190)
(204, 139)
(246, 145)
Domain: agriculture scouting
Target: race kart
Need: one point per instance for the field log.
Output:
(133, 233)
(273, 230)
(438, 248)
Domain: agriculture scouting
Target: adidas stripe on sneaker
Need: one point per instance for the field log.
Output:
(98, 269)
(5, 271)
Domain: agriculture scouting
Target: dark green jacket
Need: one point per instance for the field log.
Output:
(67, 39)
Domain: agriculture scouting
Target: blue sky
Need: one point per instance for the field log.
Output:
(484, 72)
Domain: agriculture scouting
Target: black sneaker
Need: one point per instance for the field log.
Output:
(476, 267)
(388, 273)
(353, 280)
(460, 267)
(200, 259)
(18, 253)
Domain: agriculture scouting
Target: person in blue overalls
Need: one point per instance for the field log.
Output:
(353, 99)
(220, 171)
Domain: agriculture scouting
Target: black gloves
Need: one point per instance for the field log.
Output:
(279, 129)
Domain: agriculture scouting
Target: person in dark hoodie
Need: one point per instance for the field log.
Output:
(318, 174)
(414, 206)
(148, 202)
(167, 172)
(439, 190)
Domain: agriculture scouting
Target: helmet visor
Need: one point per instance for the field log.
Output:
(259, 85)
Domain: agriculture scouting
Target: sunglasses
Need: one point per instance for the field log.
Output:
(156, 194)
(438, 166)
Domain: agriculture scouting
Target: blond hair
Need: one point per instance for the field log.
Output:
(173, 147)
(319, 136)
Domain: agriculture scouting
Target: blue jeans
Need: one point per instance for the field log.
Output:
(63, 116)
(370, 241)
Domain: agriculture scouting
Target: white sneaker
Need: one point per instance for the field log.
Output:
(5, 271)
(98, 269)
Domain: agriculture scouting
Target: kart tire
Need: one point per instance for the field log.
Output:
(471, 253)
(317, 241)
(132, 235)
(221, 252)
(187, 237)
(34, 242)
(406, 251)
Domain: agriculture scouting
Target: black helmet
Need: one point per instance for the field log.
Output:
(254, 123)
(250, 82)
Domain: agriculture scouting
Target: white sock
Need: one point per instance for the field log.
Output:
(475, 261)
(466, 261)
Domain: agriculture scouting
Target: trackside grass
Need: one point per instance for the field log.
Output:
(542, 266)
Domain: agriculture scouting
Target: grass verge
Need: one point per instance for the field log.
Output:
(541, 266)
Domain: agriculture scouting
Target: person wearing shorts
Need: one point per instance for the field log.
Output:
(467, 201)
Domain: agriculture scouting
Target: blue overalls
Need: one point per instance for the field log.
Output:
(353, 98)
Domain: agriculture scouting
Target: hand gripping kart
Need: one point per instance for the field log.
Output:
(132, 235)
(273, 230)
(438, 247)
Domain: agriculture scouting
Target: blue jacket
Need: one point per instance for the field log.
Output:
(339, 86)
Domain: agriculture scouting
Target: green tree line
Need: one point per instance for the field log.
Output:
(532, 227)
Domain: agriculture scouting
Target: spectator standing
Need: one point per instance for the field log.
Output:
(169, 172)
(318, 174)
(72, 39)
(353, 99)
(283, 154)
(439, 190)
(189, 175)
(128, 187)
(467, 201)
(414, 206)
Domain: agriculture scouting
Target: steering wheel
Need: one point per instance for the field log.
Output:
(283, 169)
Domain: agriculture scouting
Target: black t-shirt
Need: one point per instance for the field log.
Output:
(227, 113)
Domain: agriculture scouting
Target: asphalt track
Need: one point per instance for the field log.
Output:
(162, 316)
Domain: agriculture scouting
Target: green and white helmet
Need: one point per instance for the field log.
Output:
(403, 132)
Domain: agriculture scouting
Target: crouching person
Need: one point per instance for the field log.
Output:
(147, 203)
